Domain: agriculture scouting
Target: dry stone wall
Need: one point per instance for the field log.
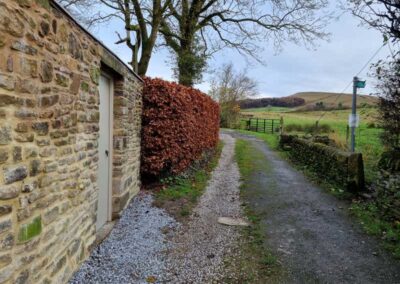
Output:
(329, 163)
(49, 124)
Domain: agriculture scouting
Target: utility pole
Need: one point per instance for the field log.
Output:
(353, 120)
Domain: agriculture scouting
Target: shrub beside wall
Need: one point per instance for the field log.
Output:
(343, 168)
(388, 185)
(179, 123)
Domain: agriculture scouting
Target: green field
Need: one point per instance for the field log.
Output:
(367, 135)
(266, 109)
(333, 100)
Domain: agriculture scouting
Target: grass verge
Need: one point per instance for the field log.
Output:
(369, 217)
(272, 140)
(179, 194)
(255, 262)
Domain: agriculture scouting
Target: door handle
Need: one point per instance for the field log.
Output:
(107, 153)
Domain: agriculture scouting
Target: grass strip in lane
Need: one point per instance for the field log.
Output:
(255, 262)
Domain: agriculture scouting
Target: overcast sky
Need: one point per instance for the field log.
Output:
(329, 68)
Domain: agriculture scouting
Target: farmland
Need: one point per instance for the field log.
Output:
(333, 100)
(367, 135)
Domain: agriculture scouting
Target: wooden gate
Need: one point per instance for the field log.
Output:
(262, 125)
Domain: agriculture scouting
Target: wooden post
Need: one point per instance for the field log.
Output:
(264, 125)
(272, 130)
(257, 125)
(281, 126)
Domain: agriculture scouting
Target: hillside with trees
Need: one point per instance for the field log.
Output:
(275, 102)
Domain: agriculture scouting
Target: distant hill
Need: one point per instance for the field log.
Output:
(315, 100)
(275, 102)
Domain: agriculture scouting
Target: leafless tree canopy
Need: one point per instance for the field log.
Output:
(383, 15)
(141, 20)
(245, 25)
(231, 86)
(195, 28)
(228, 88)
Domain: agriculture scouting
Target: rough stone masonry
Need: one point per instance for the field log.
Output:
(49, 128)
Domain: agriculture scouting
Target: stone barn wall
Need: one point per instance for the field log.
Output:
(49, 123)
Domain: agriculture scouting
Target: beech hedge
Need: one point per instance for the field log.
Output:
(179, 123)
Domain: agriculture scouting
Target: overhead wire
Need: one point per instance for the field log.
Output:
(349, 84)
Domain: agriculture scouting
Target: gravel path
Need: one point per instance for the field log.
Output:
(147, 245)
(134, 250)
(310, 230)
(198, 249)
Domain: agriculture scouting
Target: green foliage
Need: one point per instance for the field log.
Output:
(370, 218)
(185, 190)
(230, 115)
(308, 128)
(388, 74)
(387, 186)
(319, 105)
(190, 64)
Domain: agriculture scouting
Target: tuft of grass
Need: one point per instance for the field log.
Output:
(180, 194)
(373, 224)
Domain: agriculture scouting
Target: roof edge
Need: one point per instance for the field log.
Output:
(57, 6)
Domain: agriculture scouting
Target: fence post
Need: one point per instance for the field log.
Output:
(264, 125)
(272, 130)
(257, 125)
(281, 125)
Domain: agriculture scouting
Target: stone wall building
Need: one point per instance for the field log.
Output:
(57, 85)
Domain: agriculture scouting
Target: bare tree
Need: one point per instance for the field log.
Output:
(141, 19)
(383, 15)
(388, 88)
(197, 29)
(228, 88)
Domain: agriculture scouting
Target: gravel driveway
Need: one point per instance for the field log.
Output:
(134, 251)
(197, 251)
(147, 245)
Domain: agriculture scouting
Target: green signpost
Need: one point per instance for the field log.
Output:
(354, 119)
(360, 84)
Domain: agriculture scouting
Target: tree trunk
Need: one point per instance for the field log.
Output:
(144, 60)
